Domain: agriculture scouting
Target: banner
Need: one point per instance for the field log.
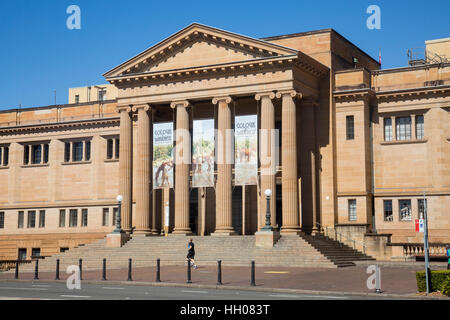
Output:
(246, 146)
(203, 154)
(163, 155)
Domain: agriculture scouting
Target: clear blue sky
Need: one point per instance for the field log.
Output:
(39, 54)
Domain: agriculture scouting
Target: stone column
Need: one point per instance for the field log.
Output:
(268, 157)
(182, 162)
(143, 183)
(225, 157)
(126, 166)
(290, 208)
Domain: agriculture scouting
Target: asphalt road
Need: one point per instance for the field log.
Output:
(59, 291)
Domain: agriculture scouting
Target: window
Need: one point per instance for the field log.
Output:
(387, 129)
(388, 216)
(117, 148)
(42, 219)
(422, 207)
(73, 218)
(2, 220)
(62, 218)
(101, 95)
(405, 210)
(31, 223)
(115, 213)
(352, 210)
(77, 151)
(105, 217)
(22, 255)
(45, 153)
(112, 148)
(403, 128)
(63, 249)
(4, 156)
(35, 252)
(20, 220)
(350, 125)
(36, 153)
(84, 217)
(77, 99)
(420, 127)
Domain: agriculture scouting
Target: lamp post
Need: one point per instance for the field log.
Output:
(268, 227)
(119, 220)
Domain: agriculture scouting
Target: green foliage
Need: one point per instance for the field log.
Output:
(437, 279)
(445, 289)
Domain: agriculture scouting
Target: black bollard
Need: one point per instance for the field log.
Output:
(158, 270)
(189, 272)
(104, 270)
(129, 270)
(36, 270)
(80, 266)
(57, 270)
(252, 281)
(219, 273)
(16, 273)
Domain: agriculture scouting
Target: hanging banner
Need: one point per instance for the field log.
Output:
(203, 154)
(163, 155)
(246, 146)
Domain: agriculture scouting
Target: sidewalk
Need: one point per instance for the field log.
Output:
(395, 280)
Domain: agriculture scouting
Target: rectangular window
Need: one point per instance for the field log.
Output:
(66, 152)
(22, 255)
(73, 218)
(31, 223)
(63, 249)
(42, 219)
(403, 128)
(20, 220)
(84, 217)
(350, 126)
(102, 95)
(420, 130)
(388, 215)
(117, 148)
(1, 153)
(62, 218)
(105, 219)
(109, 148)
(46, 148)
(77, 99)
(387, 129)
(36, 153)
(2, 220)
(35, 252)
(115, 213)
(26, 154)
(423, 206)
(4, 156)
(404, 210)
(87, 147)
(77, 151)
(352, 210)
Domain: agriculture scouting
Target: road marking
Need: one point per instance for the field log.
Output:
(42, 285)
(305, 296)
(193, 291)
(33, 289)
(73, 296)
(113, 288)
(277, 272)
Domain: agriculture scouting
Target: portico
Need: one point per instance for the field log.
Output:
(203, 71)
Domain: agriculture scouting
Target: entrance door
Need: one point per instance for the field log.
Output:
(237, 210)
(193, 211)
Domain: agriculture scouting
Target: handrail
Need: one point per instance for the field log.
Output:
(336, 233)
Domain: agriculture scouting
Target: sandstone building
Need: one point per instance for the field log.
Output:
(362, 151)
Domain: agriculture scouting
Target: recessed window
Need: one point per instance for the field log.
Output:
(31, 221)
(422, 205)
(2, 220)
(77, 151)
(73, 218)
(4, 156)
(102, 95)
(77, 99)
(387, 129)
(352, 210)
(115, 213)
(20, 219)
(420, 130)
(350, 127)
(63, 249)
(36, 153)
(404, 210)
(35, 252)
(62, 218)
(387, 208)
(84, 217)
(112, 148)
(42, 219)
(403, 130)
(22, 254)
(105, 219)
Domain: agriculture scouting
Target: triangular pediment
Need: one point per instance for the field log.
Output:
(199, 46)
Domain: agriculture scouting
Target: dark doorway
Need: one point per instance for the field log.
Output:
(237, 210)
(193, 210)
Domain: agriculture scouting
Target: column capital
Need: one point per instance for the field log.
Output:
(125, 108)
(269, 94)
(292, 93)
(227, 99)
(144, 106)
(182, 103)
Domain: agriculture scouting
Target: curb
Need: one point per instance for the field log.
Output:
(224, 287)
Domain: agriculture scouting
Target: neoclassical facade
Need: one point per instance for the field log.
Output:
(356, 149)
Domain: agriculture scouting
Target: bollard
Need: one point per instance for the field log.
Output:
(252, 281)
(158, 270)
(16, 273)
(57, 270)
(219, 273)
(36, 270)
(80, 265)
(104, 270)
(189, 271)
(129, 270)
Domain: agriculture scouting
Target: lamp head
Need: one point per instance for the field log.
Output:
(119, 198)
(268, 192)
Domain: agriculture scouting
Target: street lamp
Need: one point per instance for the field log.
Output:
(268, 227)
(118, 219)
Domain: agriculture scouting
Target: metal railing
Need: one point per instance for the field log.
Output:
(332, 233)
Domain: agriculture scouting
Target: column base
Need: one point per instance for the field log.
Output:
(290, 231)
(182, 232)
(224, 232)
(145, 232)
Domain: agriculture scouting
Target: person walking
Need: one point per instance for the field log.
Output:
(191, 254)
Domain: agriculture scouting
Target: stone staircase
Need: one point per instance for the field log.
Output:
(289, 251)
